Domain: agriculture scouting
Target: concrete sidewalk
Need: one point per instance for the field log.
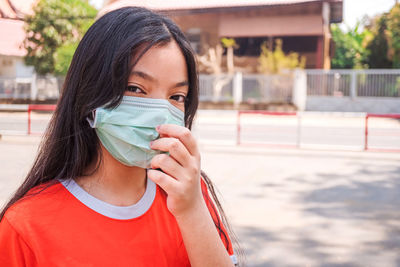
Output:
(288, 207)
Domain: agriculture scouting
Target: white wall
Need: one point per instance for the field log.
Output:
(11, 66)
(359, 104)
(22, 70)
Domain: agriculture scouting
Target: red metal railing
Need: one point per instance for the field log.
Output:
(298, 115)
(369, 115)
(38, 108)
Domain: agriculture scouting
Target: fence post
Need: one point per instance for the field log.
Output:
(237, 89)
(238, 128)
(298, 141)
(366, 132)
(34, 90)
(29, 119)
(353, 85)
(299, 93)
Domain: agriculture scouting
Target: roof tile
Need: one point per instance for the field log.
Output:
(196, 4)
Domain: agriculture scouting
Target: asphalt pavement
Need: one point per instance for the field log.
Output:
(288, 207)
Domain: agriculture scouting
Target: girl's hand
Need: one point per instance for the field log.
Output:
(181, 181)
(180, 178)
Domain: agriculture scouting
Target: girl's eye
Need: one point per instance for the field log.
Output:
(178, 98)
(134, 89)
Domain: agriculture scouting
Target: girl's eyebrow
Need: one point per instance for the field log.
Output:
(152, 79)
(181, 84)
(143, 75)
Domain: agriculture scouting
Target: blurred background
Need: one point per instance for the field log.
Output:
(299, 119)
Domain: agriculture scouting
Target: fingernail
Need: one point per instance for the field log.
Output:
(158, 128)
(151, 143)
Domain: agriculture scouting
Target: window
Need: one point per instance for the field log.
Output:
(250, 46)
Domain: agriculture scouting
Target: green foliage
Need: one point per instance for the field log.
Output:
(63, 57)
(393, 35)
(228, 42)
(350, 47)
(376, 46)
(379, 47)
(274, 61)
(53, 33)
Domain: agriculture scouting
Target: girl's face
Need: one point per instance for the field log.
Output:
(160, 73)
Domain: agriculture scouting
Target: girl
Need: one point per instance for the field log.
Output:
(117, 180)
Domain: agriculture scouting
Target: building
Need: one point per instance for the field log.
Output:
(303, 25)
(12, 36)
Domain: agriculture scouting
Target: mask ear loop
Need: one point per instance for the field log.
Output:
(92, 119)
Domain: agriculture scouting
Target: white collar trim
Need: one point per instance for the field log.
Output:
(109, 210)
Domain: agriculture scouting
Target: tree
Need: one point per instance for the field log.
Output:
(350, 47)
(53, 32)
(63, 57)
(274, 61)
(212, 63)
(230, 45)
(384, 47)
(393, 35)
(378, 47)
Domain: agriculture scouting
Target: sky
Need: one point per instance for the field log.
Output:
(97, 3)
(353, 10)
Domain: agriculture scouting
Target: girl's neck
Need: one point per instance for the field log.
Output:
(114, 182)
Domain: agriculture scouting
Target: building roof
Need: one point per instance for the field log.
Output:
(179, 5)
(196, 4)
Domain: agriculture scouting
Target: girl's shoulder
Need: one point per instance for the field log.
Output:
(36, 203)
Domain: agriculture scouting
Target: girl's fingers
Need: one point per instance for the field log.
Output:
(165, 181)
(175, 148)
(167, 165)
(181, 133)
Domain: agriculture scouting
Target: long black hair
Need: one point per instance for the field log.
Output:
(98, 76)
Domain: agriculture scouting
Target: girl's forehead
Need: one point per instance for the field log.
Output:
(146, 50)
(162, 60)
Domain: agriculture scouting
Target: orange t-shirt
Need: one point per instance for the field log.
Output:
(65, 226)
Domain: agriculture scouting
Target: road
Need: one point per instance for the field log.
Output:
(288, 207)
(310, 207)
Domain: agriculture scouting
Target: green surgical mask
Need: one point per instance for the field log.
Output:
(127, 130)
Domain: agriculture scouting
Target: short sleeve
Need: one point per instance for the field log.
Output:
(14, 250)
(223, 233)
